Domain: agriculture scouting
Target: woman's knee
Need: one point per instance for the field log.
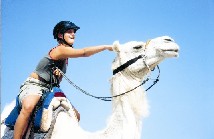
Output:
(29, 103)
(28, 108)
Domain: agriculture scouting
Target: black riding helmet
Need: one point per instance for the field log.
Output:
(62, 27)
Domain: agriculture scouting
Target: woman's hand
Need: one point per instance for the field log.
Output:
(58, 74)
(109, 47)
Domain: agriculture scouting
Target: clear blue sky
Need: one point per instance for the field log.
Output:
(182, 103)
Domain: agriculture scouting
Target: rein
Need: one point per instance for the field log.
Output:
(110, 98)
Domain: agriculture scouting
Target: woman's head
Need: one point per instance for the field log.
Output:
(64, 32)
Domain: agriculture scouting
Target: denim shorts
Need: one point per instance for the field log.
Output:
(32, 87)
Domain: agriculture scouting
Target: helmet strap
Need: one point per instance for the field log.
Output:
(66, 42)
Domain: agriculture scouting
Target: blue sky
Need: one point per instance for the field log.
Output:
(182, 105)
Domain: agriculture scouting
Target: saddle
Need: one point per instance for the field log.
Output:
(43, 116)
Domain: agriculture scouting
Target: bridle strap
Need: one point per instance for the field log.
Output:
(132, 61)
(127, 64)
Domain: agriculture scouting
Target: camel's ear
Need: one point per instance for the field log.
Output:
(116, 45)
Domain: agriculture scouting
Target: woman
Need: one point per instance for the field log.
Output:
(39, 80)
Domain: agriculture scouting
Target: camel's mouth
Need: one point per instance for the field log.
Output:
(171, 52)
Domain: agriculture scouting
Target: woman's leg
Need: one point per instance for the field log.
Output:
(28, 104)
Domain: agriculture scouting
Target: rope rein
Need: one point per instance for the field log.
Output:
(110, 98)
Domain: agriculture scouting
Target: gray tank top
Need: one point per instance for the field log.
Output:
(43, 70)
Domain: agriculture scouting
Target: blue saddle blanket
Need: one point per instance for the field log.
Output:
(11, 119)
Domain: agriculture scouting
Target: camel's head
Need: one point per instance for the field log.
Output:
(143, 56)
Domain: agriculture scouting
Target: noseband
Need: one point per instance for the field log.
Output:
(132, 61)
(127, 64)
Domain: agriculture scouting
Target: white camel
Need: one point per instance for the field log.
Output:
(129, 109)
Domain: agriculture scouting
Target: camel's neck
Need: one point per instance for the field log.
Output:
(136, 99)
(125, 121)
(121, 83)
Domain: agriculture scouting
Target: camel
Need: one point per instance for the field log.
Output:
(128, 110)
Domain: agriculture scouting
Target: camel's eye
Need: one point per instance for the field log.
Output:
(168, 40)
(138, 47)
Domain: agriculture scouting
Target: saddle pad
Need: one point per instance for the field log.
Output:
(43, 116)
(11, 119)
(53, 101)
